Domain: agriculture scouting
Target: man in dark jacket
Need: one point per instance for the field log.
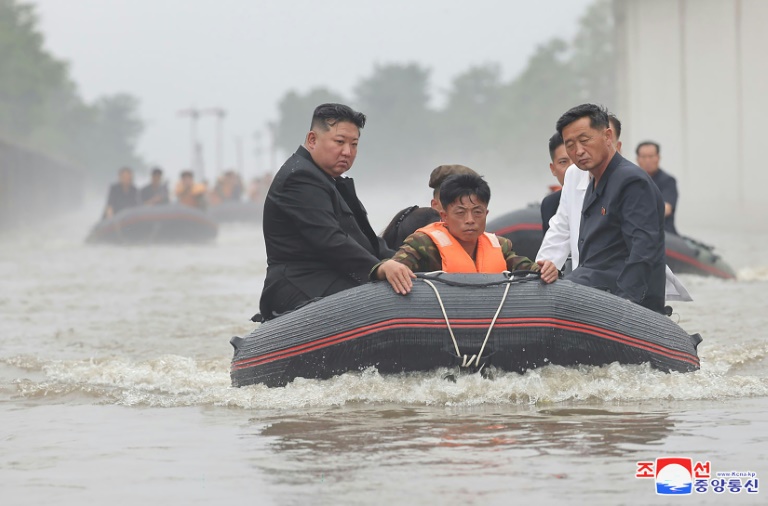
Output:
(648, 157)
(156, 192)
(122, 195)
(318, 238)
(560, 163)
(621, 236)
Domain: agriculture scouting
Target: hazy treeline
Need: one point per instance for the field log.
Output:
(42, 110)
(483, 119)
(34, 186)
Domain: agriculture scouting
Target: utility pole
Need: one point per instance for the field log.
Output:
(239, 153)
(194, 149)
(258, 151)
(219, 113)
(271, 128)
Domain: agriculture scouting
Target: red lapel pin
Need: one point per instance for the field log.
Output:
(602, 211)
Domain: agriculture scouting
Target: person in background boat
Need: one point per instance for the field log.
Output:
(316, 231)
(558, 166)
(257, 190)
(621, 235)
(156, 192)
(437, 177)
(459, 243)
(229, 188)
(190, 193)
(648, 157)
(122, 195)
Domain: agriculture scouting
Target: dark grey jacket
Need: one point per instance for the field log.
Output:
(621, 238)
(317, 235)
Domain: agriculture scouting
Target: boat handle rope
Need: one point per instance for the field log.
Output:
(467, 361)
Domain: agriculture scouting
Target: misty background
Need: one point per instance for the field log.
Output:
(89, 86)
(99, 85)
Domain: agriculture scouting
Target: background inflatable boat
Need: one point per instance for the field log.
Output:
(536, 325)
(684, 255)
(236, 211)
(171, 223)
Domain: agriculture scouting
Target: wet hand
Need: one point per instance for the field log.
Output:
(548, 271)
(398, 275)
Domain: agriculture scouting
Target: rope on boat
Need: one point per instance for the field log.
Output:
(467, 361)
(511, 277)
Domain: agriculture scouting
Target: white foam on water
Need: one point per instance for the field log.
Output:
(759, 273)
(172, 380)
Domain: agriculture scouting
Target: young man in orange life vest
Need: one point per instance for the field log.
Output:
(459, 243)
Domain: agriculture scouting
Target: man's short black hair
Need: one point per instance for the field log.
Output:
(187, 173)
(615, 125)
(554, 142)
(157, 171)
(125, 169)
(597, 114)
(648, 143)
(327, 115)
(464, 185)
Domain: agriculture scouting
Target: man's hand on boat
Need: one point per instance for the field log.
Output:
(399, 276)
(548, 271)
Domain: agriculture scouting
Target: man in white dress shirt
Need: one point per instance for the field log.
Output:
(562, 237)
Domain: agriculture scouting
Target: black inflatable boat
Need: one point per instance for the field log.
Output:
(684, 255)
(473, 321)
(170, 223)
(237, 211)
(522, 227)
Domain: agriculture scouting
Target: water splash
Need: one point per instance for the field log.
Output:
(172, 380)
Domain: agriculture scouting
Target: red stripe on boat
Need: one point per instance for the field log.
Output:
(414, 323)
(519, 227)
(692, 261)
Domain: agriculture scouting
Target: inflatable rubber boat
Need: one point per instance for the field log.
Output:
(170, 223)
(236, 211)
(511, 322)
(522, 227)
(684, 255)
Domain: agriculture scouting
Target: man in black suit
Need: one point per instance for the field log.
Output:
(560, 163)
(122, 195)
(648, 156)
(621, 236)
(318, 238)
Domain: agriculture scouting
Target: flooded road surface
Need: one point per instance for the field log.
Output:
(114, 386)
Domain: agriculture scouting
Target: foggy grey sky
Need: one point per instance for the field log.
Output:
(243, 55)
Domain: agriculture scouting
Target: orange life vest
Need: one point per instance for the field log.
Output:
(489, 258)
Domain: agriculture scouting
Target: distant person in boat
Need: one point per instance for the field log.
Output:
(559, 164)
(122, 195)
(257, 190)
(190, 193)
(229, 188)
(648, 157)
(156, 192)
(410, 219)
(621, 235)
(316, 231)
(459, 243)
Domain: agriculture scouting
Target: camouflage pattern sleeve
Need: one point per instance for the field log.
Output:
(418, 253)
(516, 262)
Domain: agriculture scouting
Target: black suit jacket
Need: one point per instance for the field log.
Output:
(668, 188)
(621, 237)
(549, 205)
(317, 235)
